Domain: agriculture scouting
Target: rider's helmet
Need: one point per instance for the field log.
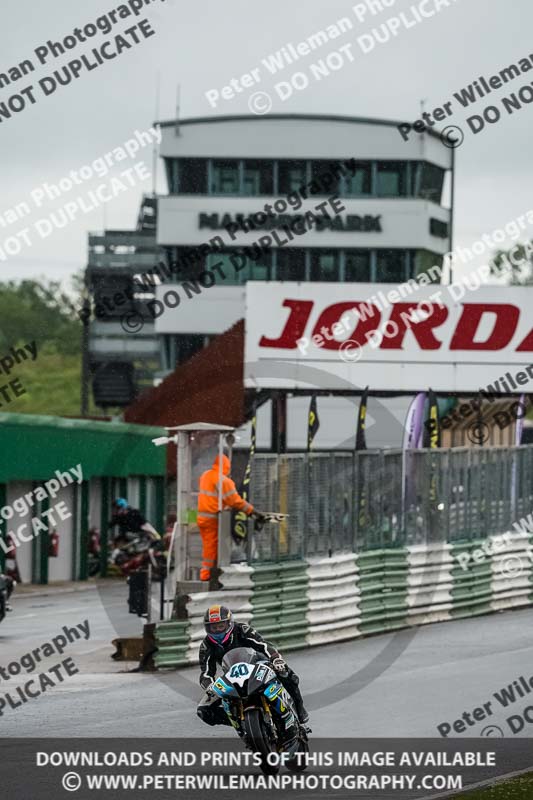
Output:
(121, 503)
(218, 622)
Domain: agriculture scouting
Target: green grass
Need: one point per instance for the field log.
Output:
(52, 383)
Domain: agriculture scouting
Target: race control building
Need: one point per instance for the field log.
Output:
(223, 172)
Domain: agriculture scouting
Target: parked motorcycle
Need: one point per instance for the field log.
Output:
(137, 552)
(261, 710)
(11, 567)
(3, 596)
(93, 552)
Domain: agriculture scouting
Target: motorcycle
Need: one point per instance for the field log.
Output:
(11, 567)
(3, 596)
(137, 553)
(261, 710)
(93, 552)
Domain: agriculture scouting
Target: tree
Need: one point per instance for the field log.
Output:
(515, 264)
(41, 311)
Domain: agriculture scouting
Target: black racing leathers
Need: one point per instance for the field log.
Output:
(211, 655)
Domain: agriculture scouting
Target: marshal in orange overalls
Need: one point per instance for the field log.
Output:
(208, 509)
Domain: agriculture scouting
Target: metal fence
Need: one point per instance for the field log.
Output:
(389, 498)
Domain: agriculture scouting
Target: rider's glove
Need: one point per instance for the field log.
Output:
(259, 515)
(280, 666)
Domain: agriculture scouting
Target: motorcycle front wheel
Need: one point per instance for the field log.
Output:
(258, 737)
(299, 764)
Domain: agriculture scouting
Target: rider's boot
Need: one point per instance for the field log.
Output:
(303, 716)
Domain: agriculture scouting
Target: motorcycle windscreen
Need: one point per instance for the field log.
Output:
(240, 654)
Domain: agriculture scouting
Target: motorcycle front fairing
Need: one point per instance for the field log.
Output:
(248, 676)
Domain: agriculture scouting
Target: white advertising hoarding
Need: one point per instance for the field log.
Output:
(389, 337)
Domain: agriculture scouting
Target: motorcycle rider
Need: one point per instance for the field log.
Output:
(130, 520)
(224, 634)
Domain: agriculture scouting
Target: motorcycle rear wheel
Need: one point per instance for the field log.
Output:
(257, 736)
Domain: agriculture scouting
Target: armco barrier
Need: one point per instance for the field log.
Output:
(304, 603)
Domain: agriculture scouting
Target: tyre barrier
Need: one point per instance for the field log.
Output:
(305, 603)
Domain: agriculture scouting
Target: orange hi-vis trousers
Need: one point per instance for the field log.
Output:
(209, 533)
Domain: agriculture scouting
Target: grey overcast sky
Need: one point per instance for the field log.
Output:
(202, 45)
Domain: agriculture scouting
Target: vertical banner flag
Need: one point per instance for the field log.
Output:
(412, 439)
(360, 444)
(432, 440)
(313, 423)
(519, 428)
(360, 436)
(413, 422)
(240, 519)
(432, 437)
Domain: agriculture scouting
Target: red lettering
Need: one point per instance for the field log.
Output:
(503, 331)
(527, 344)
(294, 327)
(422, 330)
(332, 314)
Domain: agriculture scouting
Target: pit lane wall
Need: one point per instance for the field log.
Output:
(304, 603)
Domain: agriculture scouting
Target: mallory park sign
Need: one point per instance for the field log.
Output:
(261, 221)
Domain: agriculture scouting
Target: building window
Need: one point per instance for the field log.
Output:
(258, 178)
(187, 345)
(330, 171)
(391, 266)
(360, 183)
(240, 269)
(431, 182)
(429, 264)
(187, 261)
(292, 176)
(192, 176)
(291, 265)
(357, 266)
(225, 177)
(325, 265)
(391, 179)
